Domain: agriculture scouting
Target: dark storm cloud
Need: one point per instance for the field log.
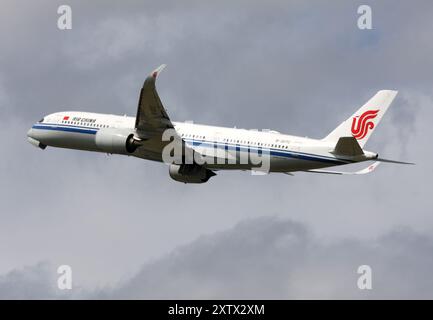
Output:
(278, 259)
(263, 258)
(299, 67)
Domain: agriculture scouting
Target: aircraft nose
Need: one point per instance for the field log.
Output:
(30, 133)
(33, 139)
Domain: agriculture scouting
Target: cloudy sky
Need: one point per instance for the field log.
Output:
(299, 67)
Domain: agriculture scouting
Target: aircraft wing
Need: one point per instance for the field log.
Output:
(152, 119)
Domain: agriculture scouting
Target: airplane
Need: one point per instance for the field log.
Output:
(195, 152)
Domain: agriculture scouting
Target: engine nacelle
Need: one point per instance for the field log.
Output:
(190, 173)
(120, 141)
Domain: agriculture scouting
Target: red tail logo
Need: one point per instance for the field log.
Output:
(363, 123)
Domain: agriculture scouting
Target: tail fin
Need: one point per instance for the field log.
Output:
(362, 123)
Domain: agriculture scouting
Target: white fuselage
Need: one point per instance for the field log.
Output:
(81, 130)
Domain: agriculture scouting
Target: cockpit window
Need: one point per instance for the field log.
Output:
(42, 120)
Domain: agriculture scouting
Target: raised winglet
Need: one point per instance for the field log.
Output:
(369, 169)
(157, 71)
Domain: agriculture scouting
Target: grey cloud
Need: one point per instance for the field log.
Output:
(30, 282)
(36, 282)
(274, 258)
(262, 258)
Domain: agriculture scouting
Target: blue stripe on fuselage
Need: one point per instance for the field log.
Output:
(65, 128)
(272, 152)
(237, 147)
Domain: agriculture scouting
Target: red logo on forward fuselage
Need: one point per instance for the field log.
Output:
(363, 123)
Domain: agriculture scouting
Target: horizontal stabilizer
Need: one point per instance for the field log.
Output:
(394, 161)
(348, 146)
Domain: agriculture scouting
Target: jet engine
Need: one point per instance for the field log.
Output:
(190, 173)
(120, 141)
